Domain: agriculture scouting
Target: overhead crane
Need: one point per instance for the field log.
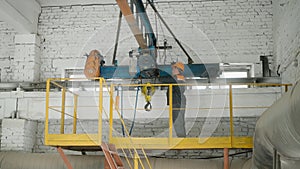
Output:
(146, 66)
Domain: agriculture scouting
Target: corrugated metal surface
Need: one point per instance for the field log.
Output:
(196, 164)
(18, 160)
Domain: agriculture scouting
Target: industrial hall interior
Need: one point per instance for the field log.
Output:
(149, 84)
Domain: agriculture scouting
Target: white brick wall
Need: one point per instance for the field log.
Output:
(7, 49)
(65, 31)
(240, 31)
(214, 31)
(287, 38)
(18, 135)
(19, 55)
(27, 58)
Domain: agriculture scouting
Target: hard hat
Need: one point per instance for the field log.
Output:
(179, 65)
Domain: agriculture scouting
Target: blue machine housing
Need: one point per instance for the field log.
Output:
(210, 70)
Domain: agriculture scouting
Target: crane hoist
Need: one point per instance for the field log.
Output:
(145, 63)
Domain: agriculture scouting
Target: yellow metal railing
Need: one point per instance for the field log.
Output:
(70, 139)
(86, 140)
(76, 139)
(136, 158)
(171, 142)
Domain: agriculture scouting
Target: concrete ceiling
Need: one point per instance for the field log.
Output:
(22, 15)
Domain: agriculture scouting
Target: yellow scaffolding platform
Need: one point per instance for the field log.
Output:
(92, 141)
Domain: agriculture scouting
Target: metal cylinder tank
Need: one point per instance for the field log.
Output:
(279, 129)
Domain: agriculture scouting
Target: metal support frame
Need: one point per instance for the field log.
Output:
(231, 114)
(170, 113)
(63, 104)
(47, 110)
(111, 111)
(93, 140)
(136, 161)
(100, 109)
(226, 158)
(75, 114)
(126, 11)
(65, 139)
(145, 22)
(191, 70)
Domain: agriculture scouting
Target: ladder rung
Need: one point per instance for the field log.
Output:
(112, 155)
(113, 152)
(118, 160)
(112, 147)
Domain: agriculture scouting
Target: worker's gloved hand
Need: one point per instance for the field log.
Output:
(148, 106)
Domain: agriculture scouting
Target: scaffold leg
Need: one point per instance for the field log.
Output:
(136, 161)
(226, 158)
(64, 157)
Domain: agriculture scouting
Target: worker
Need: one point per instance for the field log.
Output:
(178, 99)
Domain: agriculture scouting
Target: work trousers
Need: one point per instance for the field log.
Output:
(179, 122)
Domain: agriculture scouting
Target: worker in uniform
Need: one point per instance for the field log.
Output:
(178, 99)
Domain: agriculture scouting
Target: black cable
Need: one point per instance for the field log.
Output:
(215, 157)
(134, 115)
(190, 60)
(123, 130)
(117, 39)
(230, 155)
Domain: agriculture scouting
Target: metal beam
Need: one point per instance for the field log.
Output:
(141, 12)
(181, 143)
(191, 70)
(126, 11)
